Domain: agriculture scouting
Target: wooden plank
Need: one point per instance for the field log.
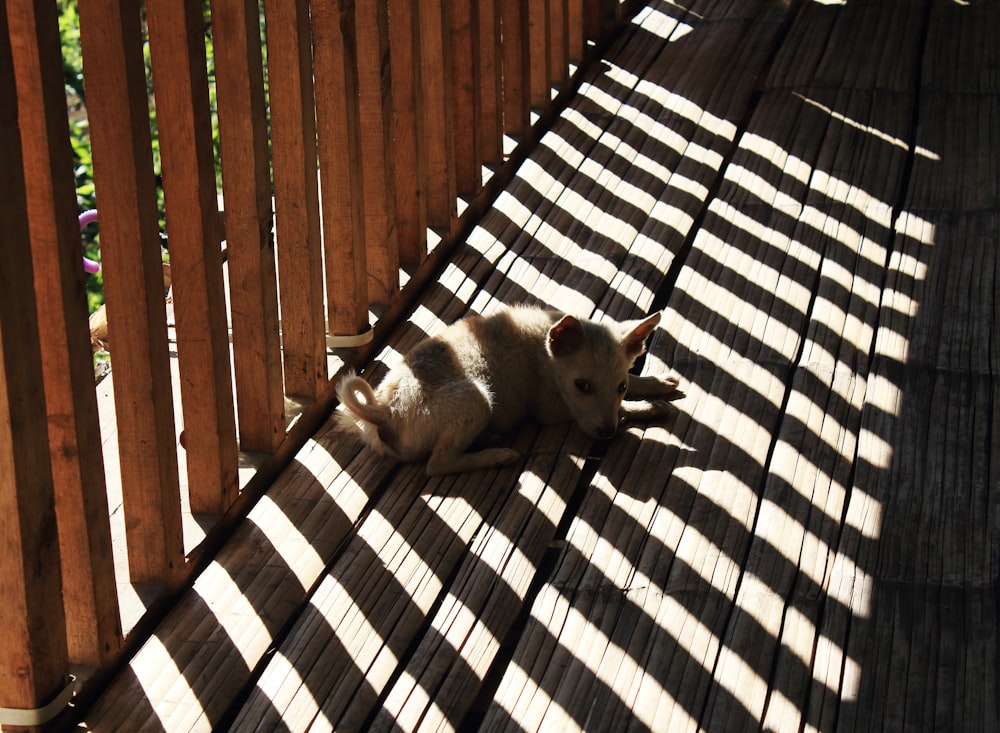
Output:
(539, 75)
(575, 48)
(203, 652)
(247, 196)
(558, 44)
(93, 629)
(407, 126)
(437, 109)
(177, 50)
(513, 23)
(466, 631)
(600, 17)
(338, 121)
(32, 627)
(927, 435)
(296, 196)
(488, 71)
(377, 149)
(133, 287)
(468, 172)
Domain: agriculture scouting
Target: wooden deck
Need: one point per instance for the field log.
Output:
(811, 543)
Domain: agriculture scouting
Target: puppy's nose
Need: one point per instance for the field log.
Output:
(606, 432)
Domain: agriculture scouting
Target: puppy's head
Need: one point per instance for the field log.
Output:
(591, 363)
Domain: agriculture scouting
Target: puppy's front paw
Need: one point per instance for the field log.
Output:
(652, 386)
(670, 384)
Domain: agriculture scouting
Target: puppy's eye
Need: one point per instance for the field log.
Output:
(583, 385)
(623, 388)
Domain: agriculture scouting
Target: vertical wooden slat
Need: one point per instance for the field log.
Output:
(133, 287)
(32, 638)
(468, 175)
(599, 17)
(89, 595)
(574, 31)
(247, 196)
(177, 48)
(489, 112)
(437, 109)
(537, 68)
(516, 120)
(296, 196)
(377, 154)
(558, 43)
(407, 127)
(338, 123)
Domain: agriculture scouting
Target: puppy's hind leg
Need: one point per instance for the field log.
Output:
(446, 459)
(450, 452)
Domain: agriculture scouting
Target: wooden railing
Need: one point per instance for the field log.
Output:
(390, 108)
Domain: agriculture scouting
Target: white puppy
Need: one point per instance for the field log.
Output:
(487, 373)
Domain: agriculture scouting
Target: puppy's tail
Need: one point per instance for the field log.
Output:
(367, 408)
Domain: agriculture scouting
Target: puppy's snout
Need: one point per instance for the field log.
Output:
(605, 432)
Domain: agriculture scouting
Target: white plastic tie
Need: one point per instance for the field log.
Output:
(18, 717)
(350, 342)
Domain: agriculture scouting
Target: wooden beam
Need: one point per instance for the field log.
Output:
(32, 627)
(407, 129)
(246, 190)
(184, 121)
(468, 174)
(89, 593)
(513, 22)
(296, 196)
(487, 64)
(111, 33)
(537, 68)
(558, 45)
(339, 127)
(437, 111)
(377, 148)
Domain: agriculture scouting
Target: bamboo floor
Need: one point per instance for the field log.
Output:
(810, 193)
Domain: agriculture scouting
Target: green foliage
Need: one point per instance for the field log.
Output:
(76, 99)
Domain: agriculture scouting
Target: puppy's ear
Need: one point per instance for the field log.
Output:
(634, 341)
(566, 336)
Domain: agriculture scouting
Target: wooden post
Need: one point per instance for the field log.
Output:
(377, 149)
(407, 127)
(437, 110)
(32, 626)
(599, 18)
(516, 118)
(296, 196)
(89, 593)
(558, 44)
(177, 48)
(537, 67)
(239, 77)
(468, 174)
(574, 30)
(339, 127)
(489, 112)
(133, 288)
